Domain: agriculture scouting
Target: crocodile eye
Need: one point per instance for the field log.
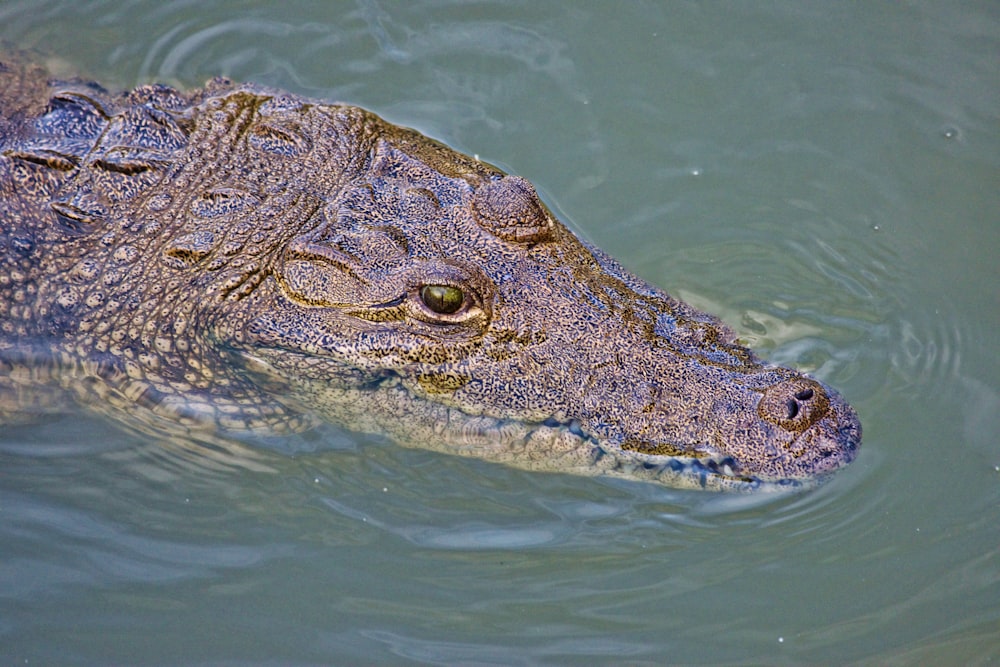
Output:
(443, 299)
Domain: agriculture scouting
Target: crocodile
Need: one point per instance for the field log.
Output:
(236, 260)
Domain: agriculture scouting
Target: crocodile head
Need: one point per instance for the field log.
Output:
(434, 299)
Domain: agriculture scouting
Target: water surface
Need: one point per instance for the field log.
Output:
(824, 177)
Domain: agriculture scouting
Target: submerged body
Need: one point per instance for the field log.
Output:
(237, 259)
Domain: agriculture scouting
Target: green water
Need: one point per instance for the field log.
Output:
(825, 176)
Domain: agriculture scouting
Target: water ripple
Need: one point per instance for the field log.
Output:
(84, 549)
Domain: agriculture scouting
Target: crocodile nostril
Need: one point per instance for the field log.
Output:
(794, 404)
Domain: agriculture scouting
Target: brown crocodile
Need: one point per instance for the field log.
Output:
(239, 259)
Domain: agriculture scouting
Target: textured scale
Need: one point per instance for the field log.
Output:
(237, 259)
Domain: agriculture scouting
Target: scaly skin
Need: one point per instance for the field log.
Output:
(237, 259)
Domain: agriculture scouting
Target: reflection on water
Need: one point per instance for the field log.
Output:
(822, 178)
(98, 554)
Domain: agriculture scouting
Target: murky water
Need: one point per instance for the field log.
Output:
(825, 177)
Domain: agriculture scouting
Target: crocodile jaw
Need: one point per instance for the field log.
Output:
(387, 406)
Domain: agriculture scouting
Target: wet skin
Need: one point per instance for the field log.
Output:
(241, 260)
